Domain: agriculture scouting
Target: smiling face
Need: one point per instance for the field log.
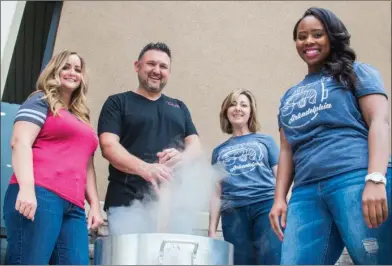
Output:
(71, 74)
(312, 43)
(153, 70)
(239, 112)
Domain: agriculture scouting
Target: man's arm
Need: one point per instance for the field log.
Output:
(193, 148)
(109, 131)
(193, 145)
(119, 157)
(122, 160)
(171, 156)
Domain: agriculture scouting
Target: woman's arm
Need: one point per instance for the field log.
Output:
(94, 216)
(23, 137)
(284, 177)
(283, 182)
(374, 108)
(215, 204)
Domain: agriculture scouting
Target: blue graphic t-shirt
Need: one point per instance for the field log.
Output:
(323, 124)
(247, 160)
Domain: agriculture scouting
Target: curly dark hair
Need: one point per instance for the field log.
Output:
(339, 63)
(159, 46)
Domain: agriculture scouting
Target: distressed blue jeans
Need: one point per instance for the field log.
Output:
(58, 233)
(249, 230)
(325, 216)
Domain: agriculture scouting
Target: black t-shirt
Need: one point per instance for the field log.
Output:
(145, 127)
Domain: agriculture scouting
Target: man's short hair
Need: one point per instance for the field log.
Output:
(159, 46)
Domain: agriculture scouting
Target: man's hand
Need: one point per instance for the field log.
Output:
(169, 157)
(156, 174)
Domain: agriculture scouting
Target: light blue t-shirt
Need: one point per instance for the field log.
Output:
(323, 124)
(247, 161)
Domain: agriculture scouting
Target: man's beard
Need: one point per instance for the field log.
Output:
(149, 88)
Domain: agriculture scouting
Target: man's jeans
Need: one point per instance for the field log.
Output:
(249, 230)
(58, 233)
(326, 216)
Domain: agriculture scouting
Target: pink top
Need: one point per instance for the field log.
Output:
(61, 150)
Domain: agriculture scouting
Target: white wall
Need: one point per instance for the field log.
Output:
(11, 16)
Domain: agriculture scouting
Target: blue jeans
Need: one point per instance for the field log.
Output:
(249, 230)
(325, 216)
(58, 233)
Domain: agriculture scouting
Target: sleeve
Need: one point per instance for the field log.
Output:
(34, 110)
(273, 152)
(110, 117)
(190, 128)
(369, 80)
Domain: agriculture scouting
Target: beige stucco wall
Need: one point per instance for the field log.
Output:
(216, 46)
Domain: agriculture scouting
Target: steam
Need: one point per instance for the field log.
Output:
(179, 203)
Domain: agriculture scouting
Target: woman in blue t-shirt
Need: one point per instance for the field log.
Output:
(334, 134)
(244, 196)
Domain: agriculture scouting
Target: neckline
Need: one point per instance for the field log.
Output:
(316, 74)
(147, 99)
(321, 72)
(67, 111)
(242, 136)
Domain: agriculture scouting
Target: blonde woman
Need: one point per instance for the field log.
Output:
(244, 196)
(52, 158)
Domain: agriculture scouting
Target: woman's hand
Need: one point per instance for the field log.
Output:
(374, 204)
(26, 202)
(278, 210)
(94, 220)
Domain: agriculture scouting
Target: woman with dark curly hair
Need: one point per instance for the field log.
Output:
(334, 133)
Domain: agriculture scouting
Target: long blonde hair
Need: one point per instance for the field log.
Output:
(253, 122)
(49, 83)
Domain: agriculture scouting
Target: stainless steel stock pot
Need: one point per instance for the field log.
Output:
(162, 249)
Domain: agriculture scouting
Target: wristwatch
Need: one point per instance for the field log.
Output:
(376, 178)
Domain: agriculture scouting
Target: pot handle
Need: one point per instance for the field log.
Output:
(165, 242)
